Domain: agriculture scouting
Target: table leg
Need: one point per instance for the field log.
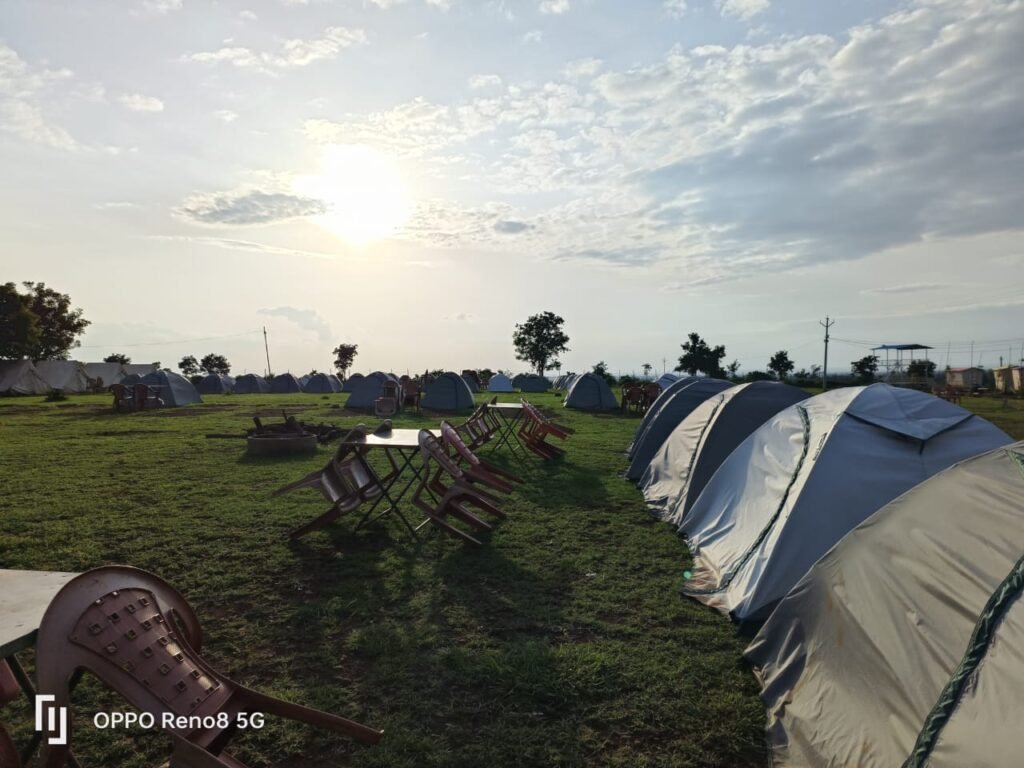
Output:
(405, 463)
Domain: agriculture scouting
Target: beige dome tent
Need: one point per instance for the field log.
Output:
(19, 377)
(69, 376)
(903, 645)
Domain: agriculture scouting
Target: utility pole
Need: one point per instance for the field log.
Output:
(266, 348)
(663, 366)
(824, 369)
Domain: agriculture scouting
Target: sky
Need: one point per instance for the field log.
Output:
(417, 176)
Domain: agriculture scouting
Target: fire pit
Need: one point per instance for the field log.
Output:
(280, 443)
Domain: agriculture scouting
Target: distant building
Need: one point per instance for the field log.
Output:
(1008, 378)
(965, 378)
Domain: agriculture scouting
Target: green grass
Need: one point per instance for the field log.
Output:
(562, 642)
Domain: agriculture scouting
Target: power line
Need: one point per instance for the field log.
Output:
(166, 343)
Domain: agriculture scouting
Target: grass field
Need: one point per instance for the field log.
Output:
(562, 642)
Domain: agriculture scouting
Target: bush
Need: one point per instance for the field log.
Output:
(56, 396)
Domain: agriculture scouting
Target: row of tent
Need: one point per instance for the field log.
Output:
(590, 392)
(24, 377)
(873, 535)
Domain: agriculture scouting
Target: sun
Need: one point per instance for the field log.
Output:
(365, 193)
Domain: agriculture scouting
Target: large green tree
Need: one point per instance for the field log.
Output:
(540, 340)
(344, 356)
(865, 368)
(698, 356)
(781, 365)
(189, 366)
(56, 328)
(117, 357)
(213, 363)
(19, 327)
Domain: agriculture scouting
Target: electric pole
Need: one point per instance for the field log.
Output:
(266, 348)
(824, 369)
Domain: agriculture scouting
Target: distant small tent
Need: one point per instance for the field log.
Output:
(674, 405)
(322, 384)
(366, 391)
(591, 392)
(500, 383)
(518, 379)
(140, 369)
(68, 376)
(174, 389)
(471, 383)
(106, 374)
(448, 392)
(534, 383)
(19, 377)
(304, 380)
(285, 383)
(251, 384)
(215, 384)
(667, 380)
(336, 380)
(131, 379)
(352, 382)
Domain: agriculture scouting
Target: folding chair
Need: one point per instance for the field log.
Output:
(476, 470)
(536, 428)
(386, 405)
(126, 627)
(346, 481)
(412, 393)
(454, 492)
(124, 399)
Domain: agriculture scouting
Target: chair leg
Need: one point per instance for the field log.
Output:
(321, 522)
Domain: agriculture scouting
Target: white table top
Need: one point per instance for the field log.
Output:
(396, 438)
(24, 598)
(506, 406)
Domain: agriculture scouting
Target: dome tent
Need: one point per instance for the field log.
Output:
(173, 388)
(251, 384)
(679, 402)
(534, 383)
(106, 374)
(320, 383)
(655, 408)
(901, 646)
(215, 384)
(591, 392)
(807, 477)
(19, 377)
(499, 383)
(68, 376)
(336, 380)
(667, 380)
(704, 439)
(448, 392)
(471, 383)
(351, 382)
(285, 383)
(367, 390)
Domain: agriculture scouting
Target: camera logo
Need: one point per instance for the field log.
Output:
(56, 719)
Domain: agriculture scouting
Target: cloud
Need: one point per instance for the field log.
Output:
(25, 91)
(248, 208)
(232, 244)
(554, 6)
(226, 115)
(479, 82)
(532, 37)
(511, 227)
(162, 7)
(115, 205)
(582, 68)
(247, 15)
(675, 8)
(744, 10)
(306, 319)
(907, 288)
(297, 52)
(460, 317)
(136, 102)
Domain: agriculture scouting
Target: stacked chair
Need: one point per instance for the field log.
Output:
(141, 639)
(534, 430)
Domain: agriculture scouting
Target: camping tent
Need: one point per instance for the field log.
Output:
(68, 376)
(174, 389)
(704, 439)
(591, 392)
(336, 380)
(655, 408)
(517, 380)
(285, 383)
(351, 382)
(320, 383)
(140, 369)
(215, 384)
(367, 390)
(667, 380)
(499, 383)
(533, 383)
(251, 384)
(19, 377)
(105, 374)
(808, 476)
(304, 380)
(902, 645)
(471, 383)
(674, 405)
(448, 392)
(131, 379)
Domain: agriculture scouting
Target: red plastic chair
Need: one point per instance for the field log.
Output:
(139, 636)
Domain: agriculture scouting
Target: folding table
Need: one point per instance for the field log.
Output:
(24, 598)
(510, 414)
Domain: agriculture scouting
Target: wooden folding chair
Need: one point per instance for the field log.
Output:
(139, 637)
(476, 470)
(534, 430)
(443, 480)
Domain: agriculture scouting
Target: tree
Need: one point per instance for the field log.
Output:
(540, 340)
(117, 357)
(601, 369)
(485, 373)
(188, 366)
(865, 368)
(733, 368)
(757, 376)
(698, 356)
(19, 327)
(921, 369)
(59, 324)
(647, 368)
(344, 356)
(212, 363)
(557, 365)
(781, 365)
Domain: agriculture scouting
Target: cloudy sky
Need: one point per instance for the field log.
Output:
(416, 176)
